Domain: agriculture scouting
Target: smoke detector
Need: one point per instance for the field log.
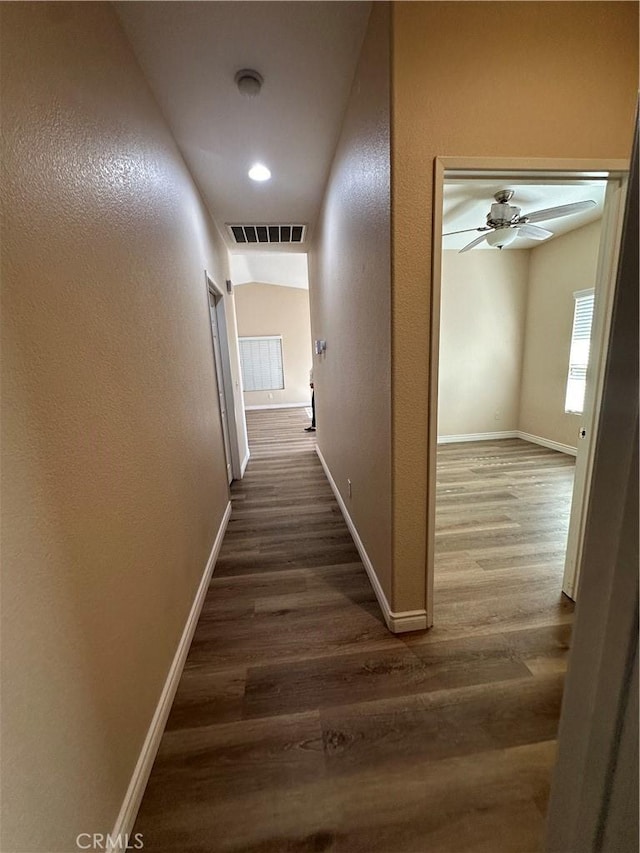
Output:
(249, 82)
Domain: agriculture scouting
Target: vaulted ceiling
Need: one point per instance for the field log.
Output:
(467, 202)
(307, 54)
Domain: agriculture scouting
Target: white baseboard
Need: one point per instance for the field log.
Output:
(477, 436)
(138, 783)
(278, 406)
(514, 433)
(398, 622)
(547, 442)
(244, 463)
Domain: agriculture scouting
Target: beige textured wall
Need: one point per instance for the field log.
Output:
(482, 319)
(350, 297)
(558, 268)
(451, 96)
(272, 309)
(113, 468)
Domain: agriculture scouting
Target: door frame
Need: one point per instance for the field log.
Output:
(594, 792)
(507, 168)
(608, 257)
(227, 380)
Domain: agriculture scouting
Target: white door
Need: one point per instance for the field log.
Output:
(605, 286)
(217, 358)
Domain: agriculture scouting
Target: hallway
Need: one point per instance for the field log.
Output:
(302, 724)
(264, 706)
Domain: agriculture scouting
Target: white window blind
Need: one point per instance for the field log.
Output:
(579, 354)
(261, 363)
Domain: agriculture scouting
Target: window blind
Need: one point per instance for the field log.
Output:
(261, 363)
(579, 353)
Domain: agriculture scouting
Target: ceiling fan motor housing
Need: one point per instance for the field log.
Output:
(502, 215)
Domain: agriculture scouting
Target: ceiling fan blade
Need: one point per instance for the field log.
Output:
(556, 212)
(534, 232)
(464, 231)
(473, 243)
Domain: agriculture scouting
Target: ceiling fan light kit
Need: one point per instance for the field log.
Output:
(504, 222)
(501, 237)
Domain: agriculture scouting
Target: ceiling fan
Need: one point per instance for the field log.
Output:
(504, 222)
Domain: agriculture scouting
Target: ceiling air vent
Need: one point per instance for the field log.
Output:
(267, 233)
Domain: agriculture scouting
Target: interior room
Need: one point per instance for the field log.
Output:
(274, 328)
(510, 390)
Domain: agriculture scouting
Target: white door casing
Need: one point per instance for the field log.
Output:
(608, 255)
(219, 379)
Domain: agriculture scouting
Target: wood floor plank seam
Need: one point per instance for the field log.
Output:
(301, 724)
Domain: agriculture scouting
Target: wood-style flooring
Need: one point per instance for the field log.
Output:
(302, 724)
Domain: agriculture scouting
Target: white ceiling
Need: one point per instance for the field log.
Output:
(289, 270)
(307, 54)
(467, 202)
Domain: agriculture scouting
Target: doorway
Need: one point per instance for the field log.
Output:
(220, 349)
(480, 175)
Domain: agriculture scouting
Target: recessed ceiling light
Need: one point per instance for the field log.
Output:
(258, 172)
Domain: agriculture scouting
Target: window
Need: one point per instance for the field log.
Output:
(579, 354)
(261, 363)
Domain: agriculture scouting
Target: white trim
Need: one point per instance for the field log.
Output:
(514, 433)
(398, 622)
(133, 797)
(536, 167)
(276, 405)
(229, 392)
(606, 283)
(245, 462)
(547, 442)
(403, 621)
(477, 436)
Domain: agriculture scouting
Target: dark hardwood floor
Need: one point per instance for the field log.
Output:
(302, 724)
